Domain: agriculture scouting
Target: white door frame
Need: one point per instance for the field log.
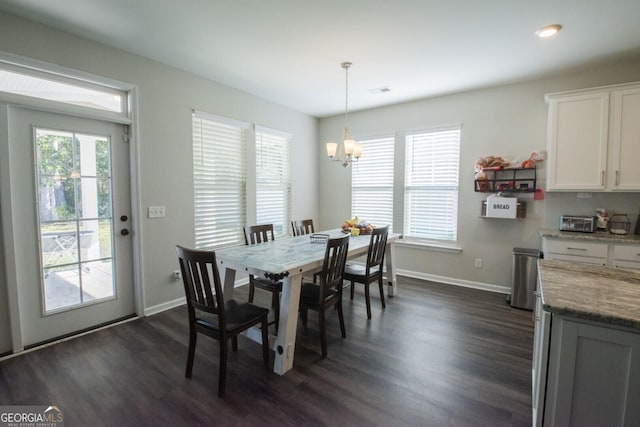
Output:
(7, 101)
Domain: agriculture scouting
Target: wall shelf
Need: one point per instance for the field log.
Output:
(512, 180)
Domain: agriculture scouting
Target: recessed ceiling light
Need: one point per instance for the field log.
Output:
(548, 31)
(379, 90)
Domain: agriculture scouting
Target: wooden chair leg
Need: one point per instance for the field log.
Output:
(234, 343)
(323, 333)
(367, 300)
(265, 340)
(222, 374)
(381, 286)
(193, 338)
(252, 290)
(352, 286)
(304, 313)
(343, 330)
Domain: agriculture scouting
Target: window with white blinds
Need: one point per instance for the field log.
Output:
(219, 180)
(372, 182)
(273, 179)
(431, 184)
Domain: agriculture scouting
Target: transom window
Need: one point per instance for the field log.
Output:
(34, 86)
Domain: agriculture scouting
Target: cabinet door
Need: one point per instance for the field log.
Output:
(624, 173)
(626, 256)
(577, 142)
(540, 360)
(575, 250)
(594, 375)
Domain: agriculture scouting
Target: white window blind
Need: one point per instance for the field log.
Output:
(372, 182)
(431, 184)
(219, 181)
(273, 179)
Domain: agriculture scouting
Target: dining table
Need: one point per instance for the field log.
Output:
(287, 259)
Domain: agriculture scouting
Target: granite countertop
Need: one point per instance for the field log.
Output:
(598, 236)
(602, 294)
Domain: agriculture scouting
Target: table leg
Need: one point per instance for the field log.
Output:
(286, 341)
(391, 269)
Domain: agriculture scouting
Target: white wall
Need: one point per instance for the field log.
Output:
(509, 121)
(165, 98)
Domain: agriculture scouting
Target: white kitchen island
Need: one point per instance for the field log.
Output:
(586, 364)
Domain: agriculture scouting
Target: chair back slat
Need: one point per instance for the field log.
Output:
(303, 227)
(254, 234)
(335, 258)
(201, 280)
(377, 246)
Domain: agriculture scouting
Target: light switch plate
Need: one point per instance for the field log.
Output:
(155, 212)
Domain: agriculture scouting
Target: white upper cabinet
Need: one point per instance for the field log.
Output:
(624, 173)
(594, 139)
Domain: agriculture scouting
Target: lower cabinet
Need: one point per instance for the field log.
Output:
(575, 250)
(626, 256)
(593, 375)
(540, 360)
(610, 254)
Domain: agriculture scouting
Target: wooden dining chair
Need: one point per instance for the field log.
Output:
(372, 271)
(328, 292)
(256, 234)
(211, 314)
(302, 227)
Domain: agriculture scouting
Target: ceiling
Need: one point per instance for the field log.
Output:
(289, 51)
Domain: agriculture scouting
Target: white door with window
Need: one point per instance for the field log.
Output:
(71, 223)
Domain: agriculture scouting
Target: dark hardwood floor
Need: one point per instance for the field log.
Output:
(439, 355)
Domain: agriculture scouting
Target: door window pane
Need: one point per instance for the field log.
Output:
(74, 213)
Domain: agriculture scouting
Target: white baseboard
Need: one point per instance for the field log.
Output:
(453, 281)
(407, 273)
(179, 301)
(149, 311)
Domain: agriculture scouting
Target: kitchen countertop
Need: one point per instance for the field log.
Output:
(598, 236)
(597, 293)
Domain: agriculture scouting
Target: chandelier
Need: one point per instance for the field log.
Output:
(350, 150)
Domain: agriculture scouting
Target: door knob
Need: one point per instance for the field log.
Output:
(124, 231)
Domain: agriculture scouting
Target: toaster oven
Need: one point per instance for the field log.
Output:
(580, 223)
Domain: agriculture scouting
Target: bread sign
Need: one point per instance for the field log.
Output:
(502, 207)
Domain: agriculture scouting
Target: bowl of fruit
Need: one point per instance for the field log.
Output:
(363, 226)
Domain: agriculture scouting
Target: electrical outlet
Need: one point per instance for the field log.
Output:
(155, 212)
(177, 275)
(478, 263)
